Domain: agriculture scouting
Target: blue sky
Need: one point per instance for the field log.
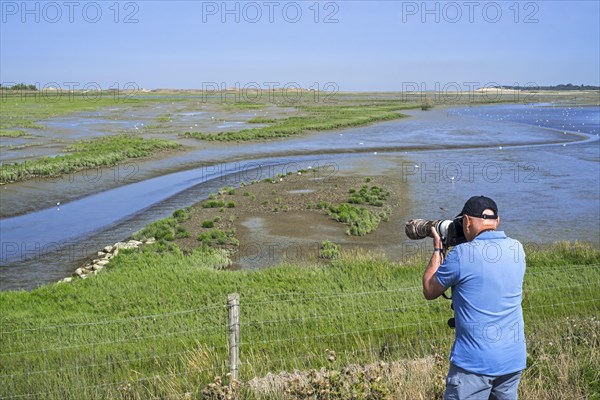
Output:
(356, 45)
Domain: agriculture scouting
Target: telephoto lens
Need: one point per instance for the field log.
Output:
(417, 229)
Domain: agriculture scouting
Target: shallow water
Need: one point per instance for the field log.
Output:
(544, 192)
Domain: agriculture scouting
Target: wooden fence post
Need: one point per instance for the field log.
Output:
(233, 307)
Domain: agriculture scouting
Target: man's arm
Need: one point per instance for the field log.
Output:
(432, 288)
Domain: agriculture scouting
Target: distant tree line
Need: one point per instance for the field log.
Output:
(18, 86)
(568, 86)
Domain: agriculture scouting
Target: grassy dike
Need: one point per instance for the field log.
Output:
(154, 326)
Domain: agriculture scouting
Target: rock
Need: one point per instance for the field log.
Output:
(78, 271)
(97, 267)
(102, 263)
(108, 249)
(124, 246)
(135, 243)
(108, 256)
(87, 270)
(69, 279)
(150, 241)
(101, 254)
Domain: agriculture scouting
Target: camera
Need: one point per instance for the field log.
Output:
(451, 231)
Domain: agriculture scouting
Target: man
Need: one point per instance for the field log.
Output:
(486, 277)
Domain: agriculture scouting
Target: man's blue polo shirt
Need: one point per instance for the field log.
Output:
(486, 276)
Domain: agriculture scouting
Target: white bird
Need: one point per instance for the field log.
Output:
(58, 204)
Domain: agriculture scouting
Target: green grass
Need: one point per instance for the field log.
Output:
(262, 120)
(361, 221)
(374, 196)
(99, 152)
(244, 105)
(329, 250)
(12, 133)
(154, 324)
(317, 118)
(24, 110)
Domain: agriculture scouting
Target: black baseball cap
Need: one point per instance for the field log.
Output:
(475, 206)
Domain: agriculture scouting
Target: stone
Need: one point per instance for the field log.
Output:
(79, 271)
(124, 246)
(69, 279)
(108, 249)
(101, 254)
(150, 241)
(135, 243)
(102, 262)
(97, 267)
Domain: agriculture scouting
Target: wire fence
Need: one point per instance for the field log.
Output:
(155, 356)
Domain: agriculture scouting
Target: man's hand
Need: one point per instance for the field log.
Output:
(437, 240)
(432, 288)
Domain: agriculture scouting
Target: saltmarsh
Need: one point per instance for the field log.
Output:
(321, 117)
(98, 152)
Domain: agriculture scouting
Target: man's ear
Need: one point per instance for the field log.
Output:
(497, 222)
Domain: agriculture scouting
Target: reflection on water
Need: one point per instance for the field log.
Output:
(545, 193)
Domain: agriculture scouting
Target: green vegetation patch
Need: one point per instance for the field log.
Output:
(374, 196)
(12, 133)
(317, 118)
(23, 109)
(99, 152)
(329, 250)
(361, 221)
(262, 120)
(164, 229)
